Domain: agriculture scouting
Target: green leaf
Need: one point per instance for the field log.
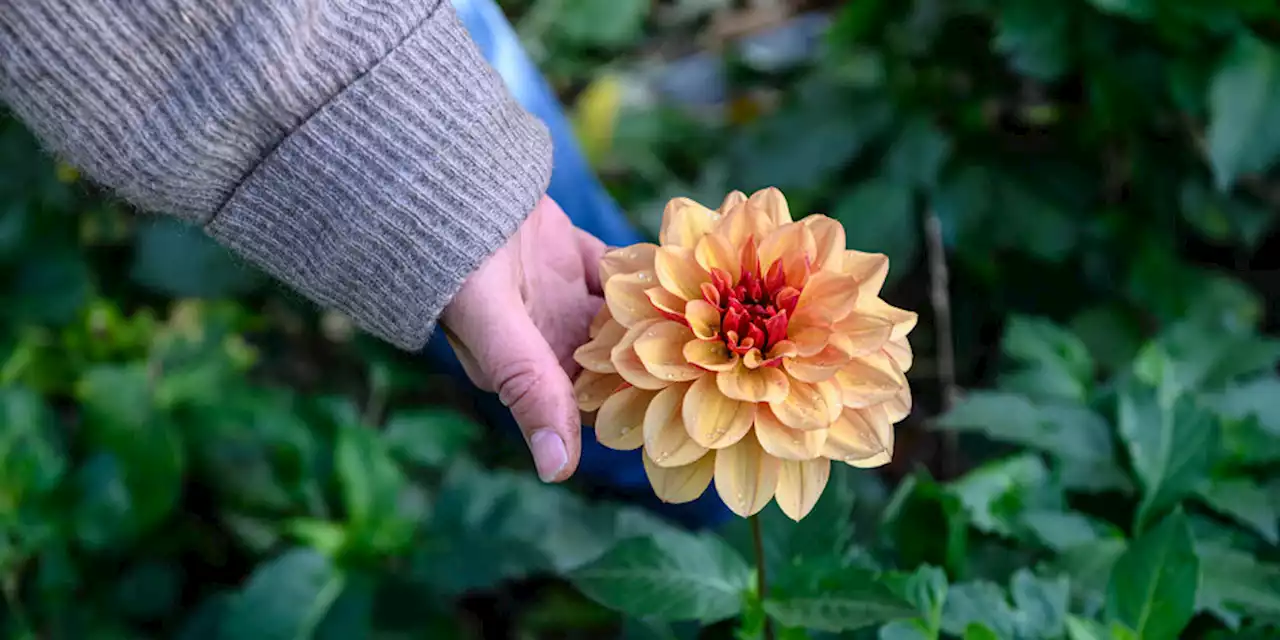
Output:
(1244, 109)
(1084, 629)
(1034, 35)
(1089, 567)
(180, 260)
(429, 437)
(927, 524)
(1038, 341)
(49, 289)
(1068, 431)
(997, 494)
(1172, 447)
(926, 589)
(879, 216)
(1109, 333)
(1235, 584)
(985, 209)
(372, 490)
(32, 461)
(1141, 9)
(1223, 219)
(1202, 354)
(1256, 398)
(121, 419)
(1153, 584)
(804, 144)
(917, 154)
(286, 598)
(1244, 501)
(489, 526)
(833, 599)
(976, 631)
(1038, 608)
(670, 576)
(602, 23)
(1063, 530)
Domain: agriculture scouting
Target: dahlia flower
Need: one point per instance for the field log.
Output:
(749, 349)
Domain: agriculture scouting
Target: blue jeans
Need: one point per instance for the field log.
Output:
(575, 188)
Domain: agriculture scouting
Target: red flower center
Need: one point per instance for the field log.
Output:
(755, 311)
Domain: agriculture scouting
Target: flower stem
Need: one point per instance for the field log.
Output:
(762, 584)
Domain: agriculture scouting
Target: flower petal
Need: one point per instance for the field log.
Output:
(712, 355)
(817, 367)
(746, 477)
(900, 352)
(774, 205)
(620, 423)
(903, 321)
(715, 252)
(899, 406)
(625, 295)
(829, 239)
(627, 361)
(703, 318)
(763, 384)
(661, 350)
(677, 485)
(859, 334)
(602, 317)
(800, 484)
(732, 200)
(666, 442)
(627, 260)
(869, 269)
(678, 272)
(809, 340)
(684, 222)
(806, 407)
(744, 221)
(594, 355)
(788, 241)
(786, 443)
(869, 380)
(668, 305)
(592, 389)
(861, 437)
(825, 299)
(713, 420)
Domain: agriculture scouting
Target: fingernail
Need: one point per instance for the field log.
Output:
(549, 454)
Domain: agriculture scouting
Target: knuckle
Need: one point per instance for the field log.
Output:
(517, 383)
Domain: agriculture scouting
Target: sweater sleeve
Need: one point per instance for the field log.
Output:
(360, 151)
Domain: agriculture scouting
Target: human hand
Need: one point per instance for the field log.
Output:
(516, 323)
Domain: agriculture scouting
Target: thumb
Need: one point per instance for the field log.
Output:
(515, 360)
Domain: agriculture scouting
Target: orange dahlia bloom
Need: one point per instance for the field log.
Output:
(747, 348)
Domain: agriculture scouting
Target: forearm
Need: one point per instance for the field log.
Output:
(359, 150)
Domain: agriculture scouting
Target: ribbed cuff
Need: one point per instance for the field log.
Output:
(386, 199)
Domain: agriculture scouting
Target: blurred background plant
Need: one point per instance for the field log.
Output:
(1078, 196)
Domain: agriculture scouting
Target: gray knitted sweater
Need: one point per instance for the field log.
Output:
(360, 151)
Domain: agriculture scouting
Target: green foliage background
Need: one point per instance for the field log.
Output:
(185, 451)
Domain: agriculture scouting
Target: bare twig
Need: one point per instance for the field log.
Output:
(940, 296)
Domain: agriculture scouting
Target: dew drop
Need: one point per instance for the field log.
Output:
(795, 441)
(642, 277)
